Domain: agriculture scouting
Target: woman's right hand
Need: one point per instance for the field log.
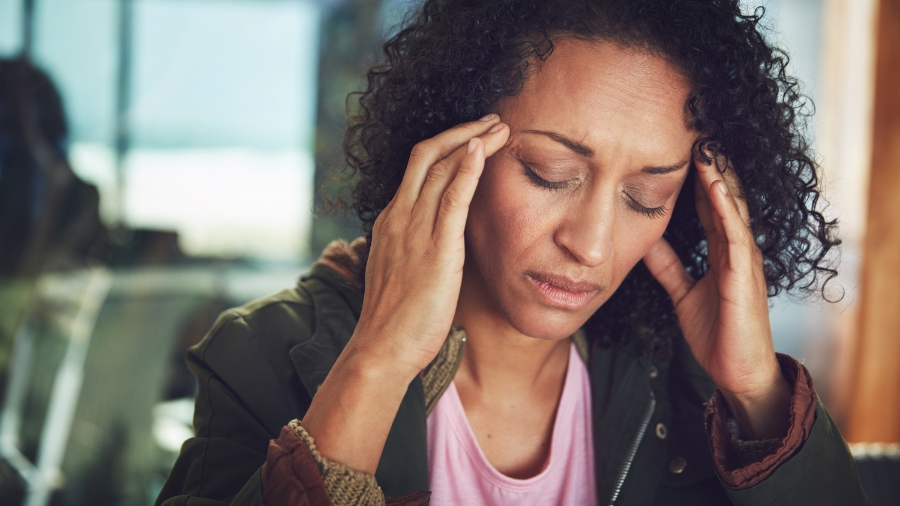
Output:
(416, 257)
(413, 279)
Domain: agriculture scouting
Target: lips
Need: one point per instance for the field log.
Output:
(561, 291)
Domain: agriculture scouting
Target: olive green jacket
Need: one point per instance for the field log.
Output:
(260, 365)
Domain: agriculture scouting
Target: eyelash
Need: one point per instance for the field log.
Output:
(650, 212)
(543, 183)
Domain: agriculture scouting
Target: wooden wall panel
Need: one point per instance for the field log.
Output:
(874, 413)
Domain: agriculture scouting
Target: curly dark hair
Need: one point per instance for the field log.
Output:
(452, 60)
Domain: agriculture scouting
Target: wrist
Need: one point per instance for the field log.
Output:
(763, 412)
(381, 358)
(376, 367)
(383, 349)
(352, 412)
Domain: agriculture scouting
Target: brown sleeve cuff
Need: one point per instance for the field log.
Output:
(296, 474)
(739, 463)
(290, 475)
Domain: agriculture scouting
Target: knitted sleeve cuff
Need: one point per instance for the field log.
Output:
(748, 452)
(296, 473)
(743, 464)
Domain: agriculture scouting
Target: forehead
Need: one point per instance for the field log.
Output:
(601, 93)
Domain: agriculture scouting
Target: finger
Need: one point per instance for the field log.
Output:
(428, 152)
(453, 211)
(709, 174)
(729, 222)
(712, 172)
(662, 261)
(718, 227)
(443, 173)
(701, 203)
(735, 189)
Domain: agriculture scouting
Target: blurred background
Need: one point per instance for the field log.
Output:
(163, 160)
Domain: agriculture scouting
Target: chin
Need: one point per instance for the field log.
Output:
(541, 322)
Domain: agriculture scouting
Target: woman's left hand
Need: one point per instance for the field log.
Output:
(725, 315)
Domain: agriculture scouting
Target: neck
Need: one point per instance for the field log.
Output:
(498, 358)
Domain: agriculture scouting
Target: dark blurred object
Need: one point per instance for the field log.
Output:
(138, 247)
(352, 34)
(49, 218)
(12, 488)
(180, 382)
(879, 471)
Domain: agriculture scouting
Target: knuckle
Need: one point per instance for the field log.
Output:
(758, 257)
(385, 223)
(430, 256)
(437, 172)
(466, 170)
(744, 243)
(422, 149)
(451, 200)
(733, 242)
(747, 236)
(379, 221)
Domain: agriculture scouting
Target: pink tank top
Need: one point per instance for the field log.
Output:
(461, 475)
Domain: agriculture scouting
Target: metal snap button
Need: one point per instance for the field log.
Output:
(677, 465)
(661, 431)
(653, 372)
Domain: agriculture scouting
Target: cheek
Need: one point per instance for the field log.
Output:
(637, 234)
(640, 236)
(503, 216)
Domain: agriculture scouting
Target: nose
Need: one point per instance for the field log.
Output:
(586, 231)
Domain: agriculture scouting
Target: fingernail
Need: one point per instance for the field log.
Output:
(472, 145)
(722, 188)
(496, 128)
(488, 117)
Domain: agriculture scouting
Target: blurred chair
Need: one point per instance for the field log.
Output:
(99, 399)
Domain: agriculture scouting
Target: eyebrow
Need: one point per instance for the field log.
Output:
(577, 147)
(585, 151)
(666, 169)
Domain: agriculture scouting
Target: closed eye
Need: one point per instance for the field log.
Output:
(543, 183)
(651, 212)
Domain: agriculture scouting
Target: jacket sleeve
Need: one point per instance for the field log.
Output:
(810, 465)
(241, 406)
(218, 466)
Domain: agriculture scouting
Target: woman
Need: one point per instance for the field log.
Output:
(547, 297)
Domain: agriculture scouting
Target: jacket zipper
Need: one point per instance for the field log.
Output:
(632, 451)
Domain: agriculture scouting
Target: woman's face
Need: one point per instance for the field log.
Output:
(599, 148)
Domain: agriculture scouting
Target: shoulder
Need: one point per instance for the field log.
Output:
(286, 308)
(280, 321)
(276, 321)
(254, 352)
